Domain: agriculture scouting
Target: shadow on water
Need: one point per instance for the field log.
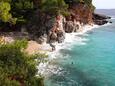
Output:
(79, 79)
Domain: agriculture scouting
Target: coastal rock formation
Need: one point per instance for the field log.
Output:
(100, 19)
(78, 18)
(83, 15)
(45, 28)
(56, 34)
(100, 16)
(71, 26)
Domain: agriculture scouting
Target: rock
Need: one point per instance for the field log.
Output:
(100, 16)
(53, 37)
(100, 22)
(110, 22)
(100, 19)
(69, 27)
(53, 46)
(60, 36)
(77, 26)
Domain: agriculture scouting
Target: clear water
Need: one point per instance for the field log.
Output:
(92, 64)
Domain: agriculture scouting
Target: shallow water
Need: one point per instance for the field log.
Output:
(90, 62)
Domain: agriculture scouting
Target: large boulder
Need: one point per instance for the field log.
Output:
(100, 22)
(100, 16)
(100, 19)
(69, 27)
(53, 37)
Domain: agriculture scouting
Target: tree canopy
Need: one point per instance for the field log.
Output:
(14, 11)
(5, 14)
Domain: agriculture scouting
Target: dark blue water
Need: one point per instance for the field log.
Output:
(92, 64)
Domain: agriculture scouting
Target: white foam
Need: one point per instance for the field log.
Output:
(106, 24)
(70, 39)
(112, 17)
(47, 69)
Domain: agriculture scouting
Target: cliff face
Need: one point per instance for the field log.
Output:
(81, 12)
(52, 29)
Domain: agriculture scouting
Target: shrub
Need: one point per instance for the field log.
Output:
(18, 68)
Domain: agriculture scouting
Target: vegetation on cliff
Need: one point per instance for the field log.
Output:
(15, 11)
(18, 68)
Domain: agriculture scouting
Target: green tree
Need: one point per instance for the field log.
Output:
(5, 14)
(22, 10)
(54, 6)
(18, 68)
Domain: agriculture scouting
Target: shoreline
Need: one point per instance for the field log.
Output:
(45, 48)
(45, 69)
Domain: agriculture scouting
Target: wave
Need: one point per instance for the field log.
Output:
(112, 17)
(71, 39)
(47, 69)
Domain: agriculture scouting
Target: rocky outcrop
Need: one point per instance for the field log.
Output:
(45, 28)
(100, 19)
(100, 22)
(80, 14)
(71, 26)
(50, 29)
(56, 34)
(100, 16)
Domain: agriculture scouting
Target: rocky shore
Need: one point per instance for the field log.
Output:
(100, 19)
(55, 34)
(49, 29)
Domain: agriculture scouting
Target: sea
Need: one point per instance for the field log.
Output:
(86, 59)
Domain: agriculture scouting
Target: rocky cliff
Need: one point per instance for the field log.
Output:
(48, 28)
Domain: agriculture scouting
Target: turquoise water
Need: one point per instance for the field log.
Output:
(92, 64)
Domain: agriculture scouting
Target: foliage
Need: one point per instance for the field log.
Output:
(18, 68)
(13, 11)
(5, 14)
(23, 4)
(54, 6)
(22, 10)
